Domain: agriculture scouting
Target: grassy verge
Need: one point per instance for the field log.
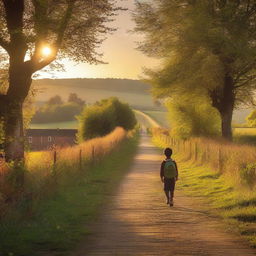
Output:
(221, 193)
(61, 220)
(245, 135)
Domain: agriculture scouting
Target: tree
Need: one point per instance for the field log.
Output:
(75, 99)
(208, 48)
(124, 115)
(192, 116)
(57, 113)
(96, 121)
(55, 100)
(69, 28)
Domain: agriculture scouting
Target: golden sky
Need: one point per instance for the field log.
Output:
(124, 61)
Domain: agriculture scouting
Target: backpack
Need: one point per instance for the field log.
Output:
(170, 169)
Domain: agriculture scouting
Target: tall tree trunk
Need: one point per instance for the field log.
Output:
(223, 100)
(19, 85)
(227, 108)
(13, 130)
(226, 122)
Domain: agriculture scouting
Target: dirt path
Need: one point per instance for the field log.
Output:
(138, 222)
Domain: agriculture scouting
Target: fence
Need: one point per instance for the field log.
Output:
(43, 170)
(224, 157)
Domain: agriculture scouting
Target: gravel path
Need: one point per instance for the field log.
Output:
(139, 223)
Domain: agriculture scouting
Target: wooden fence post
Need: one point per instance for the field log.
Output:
(220, 160)
(80, 159)
(93, 154)
(195, 150)
(54, 164)
(54, 157)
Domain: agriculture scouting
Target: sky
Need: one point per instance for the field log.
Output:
(124, 61)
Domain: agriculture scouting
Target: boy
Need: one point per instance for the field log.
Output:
(169, 175)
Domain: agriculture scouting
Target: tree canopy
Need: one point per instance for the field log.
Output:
(33, 33)
(71, 28)
(207, 46)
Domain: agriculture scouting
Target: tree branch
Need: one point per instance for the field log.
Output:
(40, 17)
(245, 70)
(246, 81)
(37, 65)
(64, 23)
(35, 62)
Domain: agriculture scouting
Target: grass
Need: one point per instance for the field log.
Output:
(60, 125)
(60, 220)
(244, 131)
(145, 120)
(235, 206)
(160, 117)
(245, 135)
(224, 190)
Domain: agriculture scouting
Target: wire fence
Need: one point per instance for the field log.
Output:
(43, 171)
(237, 161)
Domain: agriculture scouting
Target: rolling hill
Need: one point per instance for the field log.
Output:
(134, 92)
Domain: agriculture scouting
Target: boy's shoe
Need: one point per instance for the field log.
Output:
(171, 203)
(168, 201)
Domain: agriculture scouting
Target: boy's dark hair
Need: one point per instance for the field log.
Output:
(168, 152)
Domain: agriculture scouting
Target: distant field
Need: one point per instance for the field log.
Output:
(159, 116)
(132, 92)
(74, 124)
(244, 131)
(60, 125)
(245, 135)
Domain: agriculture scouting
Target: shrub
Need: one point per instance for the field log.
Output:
(102, 117)
(248, 175)
(251, 119)
(95, 121)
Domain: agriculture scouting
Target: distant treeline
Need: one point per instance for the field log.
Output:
(55, 110)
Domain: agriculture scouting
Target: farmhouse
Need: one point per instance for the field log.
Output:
(45, 139)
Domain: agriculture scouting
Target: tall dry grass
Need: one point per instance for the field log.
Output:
(44, 172)
(236, 162)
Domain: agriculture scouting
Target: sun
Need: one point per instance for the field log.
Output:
(46, 51)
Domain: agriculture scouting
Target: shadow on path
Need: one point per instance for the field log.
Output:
(139, 223)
